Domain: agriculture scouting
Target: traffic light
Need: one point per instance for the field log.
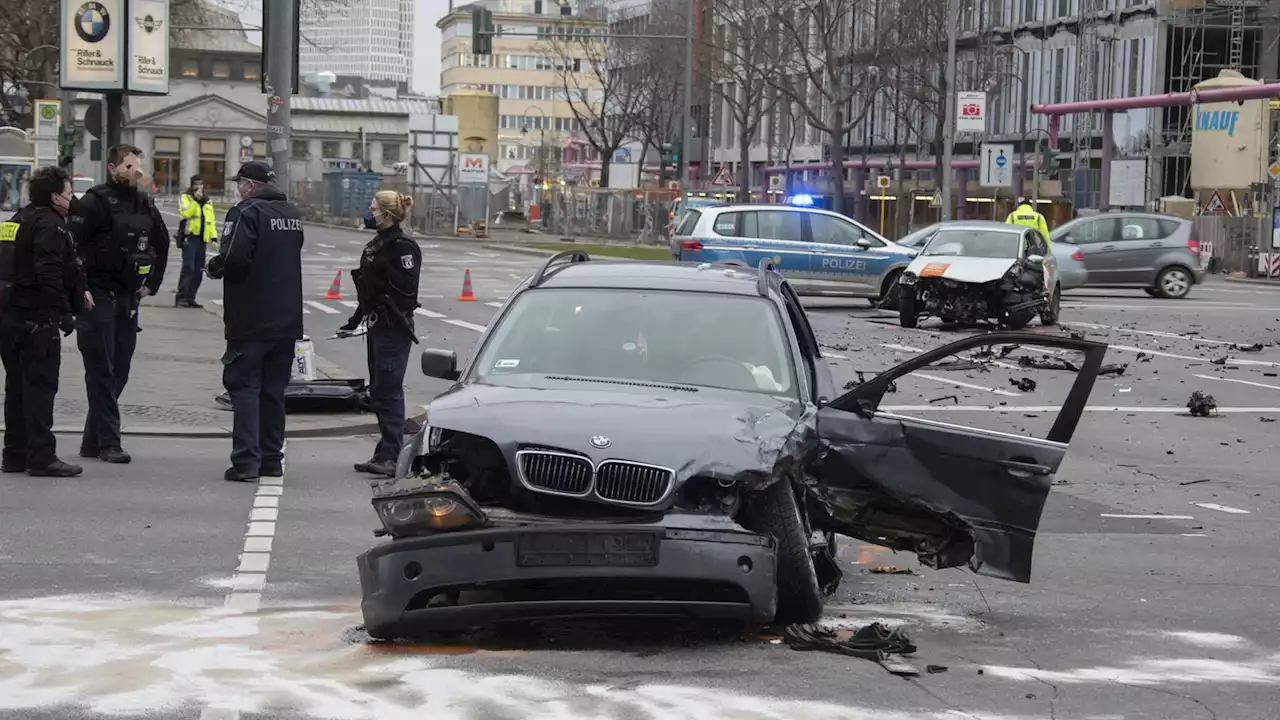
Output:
(69, 139)
(481, 31)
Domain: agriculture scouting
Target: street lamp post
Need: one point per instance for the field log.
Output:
(1023, 115)
(949, 128)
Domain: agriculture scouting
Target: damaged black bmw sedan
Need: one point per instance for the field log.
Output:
(662, 439)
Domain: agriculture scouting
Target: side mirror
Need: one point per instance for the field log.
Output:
(1035, 259)
(863, 243)
(441, 364)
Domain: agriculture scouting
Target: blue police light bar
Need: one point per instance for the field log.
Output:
(801, 200)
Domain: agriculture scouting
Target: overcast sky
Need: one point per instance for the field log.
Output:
(426, 37)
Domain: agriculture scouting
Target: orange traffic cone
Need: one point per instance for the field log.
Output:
(467, 295)
(335, 290)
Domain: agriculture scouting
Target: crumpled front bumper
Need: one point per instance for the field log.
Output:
(704, 569)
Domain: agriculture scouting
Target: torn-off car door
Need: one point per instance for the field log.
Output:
(950, 493)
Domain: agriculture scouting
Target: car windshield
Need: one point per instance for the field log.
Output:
(974, 243)
(682, 338)
(917, 238)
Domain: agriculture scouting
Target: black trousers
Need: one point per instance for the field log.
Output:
(107, 335)
(193, 257)
(255, 374)
(31, 363)
(388, 351)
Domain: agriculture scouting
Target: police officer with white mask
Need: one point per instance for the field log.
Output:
(260, 265)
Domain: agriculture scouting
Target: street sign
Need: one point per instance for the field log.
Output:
(936, 202)
(971, 112)
(883, 181)
(724, 178)
(776, 183)
(1274, 170)
(997, 166)
(1214, 205)
(473, 168)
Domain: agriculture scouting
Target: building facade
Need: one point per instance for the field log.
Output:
(371, 39)
(532, 74)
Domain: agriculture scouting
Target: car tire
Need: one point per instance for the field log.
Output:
(1049, 316)
(907, 317)
(889, 291)
(775, 512)
(1174, 282)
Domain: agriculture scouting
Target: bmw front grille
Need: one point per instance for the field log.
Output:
(614, 481)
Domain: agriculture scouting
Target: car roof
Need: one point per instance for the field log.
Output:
(654, 275)
(766, 206)
(981, 225)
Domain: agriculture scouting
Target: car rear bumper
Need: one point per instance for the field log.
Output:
(1199, 273)
(711, 574)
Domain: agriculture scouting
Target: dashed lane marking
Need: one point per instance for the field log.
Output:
(1237, 381)
(1152, 333)
(1127, 516)
(1221, 508)
(428, 313)
(1191, 358)
(464, 324)
(494, 304)
(958, 383)
(321, 307)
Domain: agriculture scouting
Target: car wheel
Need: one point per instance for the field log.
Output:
(1049, 316)
(1174, 283)
(907, 309)
(775, 512)
(889, 291)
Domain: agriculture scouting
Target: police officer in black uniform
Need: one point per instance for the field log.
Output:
(387, 291)
(123, 243)
(41, 289)
(260, 265)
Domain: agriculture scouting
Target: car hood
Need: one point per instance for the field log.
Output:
(963, 269)
(695, 433)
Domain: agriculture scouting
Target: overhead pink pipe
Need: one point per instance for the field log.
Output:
(910, 165)
(1232, 94)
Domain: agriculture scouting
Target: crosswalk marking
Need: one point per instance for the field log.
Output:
(427, 313)
(494, 304)
(353, 304)
(322, 308)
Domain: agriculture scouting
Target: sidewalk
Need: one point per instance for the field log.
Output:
(176, 374)
(1271, 282)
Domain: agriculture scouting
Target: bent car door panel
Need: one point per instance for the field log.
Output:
(950, 493)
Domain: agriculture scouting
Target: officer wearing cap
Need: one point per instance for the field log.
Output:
(41, 289)
(123, 244)
(260, 265)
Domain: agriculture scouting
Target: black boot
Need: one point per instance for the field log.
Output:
(115, 456)
(57, 468)
(272, 470)
(236, 475)
(89, 453)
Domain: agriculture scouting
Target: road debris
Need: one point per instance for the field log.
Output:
(1201, 404)
(1256, 347)
(1047, 363)
(1024, 384)
(954, 400)
(1195, 482)
(935, 669)
(1265, 418)
(874, 642)
(1113, 369)
(1144, 357)
(961, 365)
(1007, 349)
(892, 570)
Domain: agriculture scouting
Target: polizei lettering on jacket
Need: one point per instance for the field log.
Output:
(282, 224)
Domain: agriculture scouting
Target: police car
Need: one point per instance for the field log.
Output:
(817, 250)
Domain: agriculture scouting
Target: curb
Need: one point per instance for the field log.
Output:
(1253, 281)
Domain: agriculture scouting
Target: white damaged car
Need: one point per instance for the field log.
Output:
(976, 271)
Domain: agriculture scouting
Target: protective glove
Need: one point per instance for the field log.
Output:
(67, 324)
(214, 267)
(353, 323)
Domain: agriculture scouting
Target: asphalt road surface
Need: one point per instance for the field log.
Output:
(1153, 594)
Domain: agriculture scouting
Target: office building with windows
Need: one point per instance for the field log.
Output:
(371, 39)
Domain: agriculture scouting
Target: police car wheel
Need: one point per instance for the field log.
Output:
(889, 291)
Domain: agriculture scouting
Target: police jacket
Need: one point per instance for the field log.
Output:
(120, 237)
(40, 274)
(388, 276)
(197, 218)
(1026, 216)
(260, 264)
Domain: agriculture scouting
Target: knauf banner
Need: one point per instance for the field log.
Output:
(1229, 140)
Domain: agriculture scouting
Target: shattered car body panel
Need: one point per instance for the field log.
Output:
(963, 269)
(590, 494)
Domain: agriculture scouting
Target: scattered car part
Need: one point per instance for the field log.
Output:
(320, 397)
(1202, 404)
(1113, 369)
(1049, 363)
(1024, 384)
(875, 642)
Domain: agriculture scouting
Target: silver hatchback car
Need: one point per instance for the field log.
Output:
(1158, 253)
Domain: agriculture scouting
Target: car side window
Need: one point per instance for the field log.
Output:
(1141, 228)
(726, 224)
(774, 225)
(1089, 232)
(688, 222)
(830, 230)
(1168, 227)
(806, 339)
(1036, 244)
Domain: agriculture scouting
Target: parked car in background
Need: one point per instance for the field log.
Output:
(817, 250)
(1158, 253)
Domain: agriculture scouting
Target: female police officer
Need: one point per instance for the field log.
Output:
(387, 291)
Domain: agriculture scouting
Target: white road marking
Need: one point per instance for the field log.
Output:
(908, 348)
(1056, 408)
(323, 254)
(1194, 535)
(325, 245)
(971, 386)
(482, 255)
(1168, 304)
(1241, 382)
(427, 313)
(1221, 508)
(494, 304)
(465, 324)
(1153, 333)
(1192, 358)
(321, 307)
(903, 348)
(1147, 517)
(353, 304)
(515, 276)
(1203, 307)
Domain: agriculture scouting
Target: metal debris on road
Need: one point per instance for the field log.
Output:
(1024, 384)
(1256, 347)
(1201, 404)
(1219, 361)
(1265, 418)
(874, 642)
(961, 365)
(1195, 482)
(892, 570)
(935, 669)
(955, 400)
(1047, 363)
(1113, 369)
(1144, 357)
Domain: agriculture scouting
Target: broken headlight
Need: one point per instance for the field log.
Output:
(907, 279)
(439, 505)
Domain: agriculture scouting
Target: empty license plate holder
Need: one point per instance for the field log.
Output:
(587, 549)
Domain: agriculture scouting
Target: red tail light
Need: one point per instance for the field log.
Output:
(1194, 245)
(1078, 255)
(693, 245)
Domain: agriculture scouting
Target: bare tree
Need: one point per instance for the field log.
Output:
(592, 79)
(743, 51)
(653, 77)
(826, 73)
